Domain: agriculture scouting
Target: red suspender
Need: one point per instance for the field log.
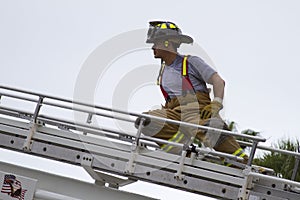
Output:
(186, 82)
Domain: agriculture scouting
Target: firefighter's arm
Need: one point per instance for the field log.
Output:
(212, 110)
(218, 86)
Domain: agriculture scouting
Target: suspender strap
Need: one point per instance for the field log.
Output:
(184, 66)
(187, 85)
(167, 97)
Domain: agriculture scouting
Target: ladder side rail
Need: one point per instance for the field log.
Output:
(151, 117)
(209, 151)
(256, 138)
(225, 132)
(272, 149)
(108, 135)
(201, 150)
(83, 127)
(274, 179)
(151, 162)
(85, 139)
(152, 139)
(48, 132)
(67, 100)
(19, 97)
(56, 122)
(148, 138)
(63, 106)
(35, 94)
(41, 98)
(104, 132)
(89, 110)
(115, 132)
(101, 153)
(44, 143)
(33, 120)
(15, 113)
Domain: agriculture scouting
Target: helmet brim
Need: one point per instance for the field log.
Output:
(181, 38)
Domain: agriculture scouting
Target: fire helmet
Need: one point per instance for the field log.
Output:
(163, 30)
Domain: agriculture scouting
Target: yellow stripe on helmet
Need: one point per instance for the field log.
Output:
(163, 26)
(173, 26)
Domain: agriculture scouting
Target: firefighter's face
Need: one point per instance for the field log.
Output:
(161, 48)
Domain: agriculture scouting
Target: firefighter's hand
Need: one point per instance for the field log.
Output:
(211, 110)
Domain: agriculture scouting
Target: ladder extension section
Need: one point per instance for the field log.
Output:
(68, 131)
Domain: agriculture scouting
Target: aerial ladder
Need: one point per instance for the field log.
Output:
(44, 126)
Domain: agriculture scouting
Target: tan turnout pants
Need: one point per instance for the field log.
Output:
(186, 109)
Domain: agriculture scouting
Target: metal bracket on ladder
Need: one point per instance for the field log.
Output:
(102, 178)
(88, 121)
(130, 166)
(33, 125)
(87, 163)
(244, 191)
(178, 175)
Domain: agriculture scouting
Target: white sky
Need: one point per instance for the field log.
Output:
(255, 46)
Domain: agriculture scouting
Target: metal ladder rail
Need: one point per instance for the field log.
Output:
(42, 97)
(254, 138)
(145, 177)
(119, 164)
(37, 118)
(104, 132)
(161, 141)
(64, 134)
(114, 135)
(91, 106)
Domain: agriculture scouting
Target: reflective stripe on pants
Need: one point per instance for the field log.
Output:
(178, 137)
(239, 153)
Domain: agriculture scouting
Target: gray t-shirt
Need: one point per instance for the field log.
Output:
(198, 71)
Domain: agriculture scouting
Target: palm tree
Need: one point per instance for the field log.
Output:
(282, 164)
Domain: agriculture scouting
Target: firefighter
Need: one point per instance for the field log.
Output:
(183, 81)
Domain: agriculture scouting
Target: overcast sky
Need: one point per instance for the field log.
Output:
(254, 45)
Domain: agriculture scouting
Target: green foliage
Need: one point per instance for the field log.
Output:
(282, 164)
(232, 126)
